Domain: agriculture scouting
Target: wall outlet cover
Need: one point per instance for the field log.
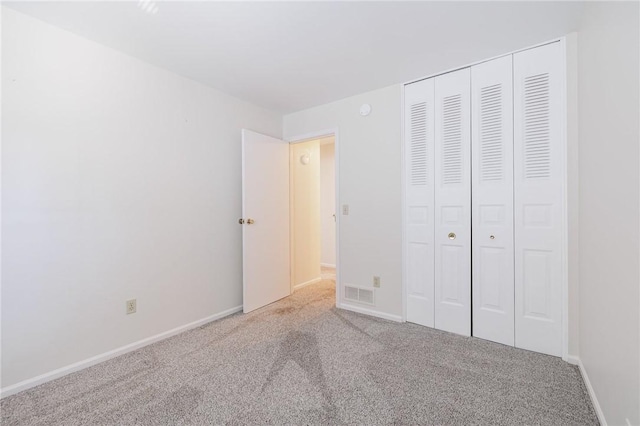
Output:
(131, 306)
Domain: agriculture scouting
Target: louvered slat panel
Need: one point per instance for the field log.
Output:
(451, 140)
(491, 155)
(418, 144)
(537, 150)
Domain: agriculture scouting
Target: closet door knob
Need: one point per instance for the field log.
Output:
(452, 236)
(241, 221)
(250, 221)
(492, 237)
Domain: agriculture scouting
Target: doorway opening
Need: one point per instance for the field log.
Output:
(313, 232)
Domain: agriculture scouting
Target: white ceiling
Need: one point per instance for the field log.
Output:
(290, 56)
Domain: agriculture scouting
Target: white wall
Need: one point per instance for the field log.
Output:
(369, 174)
(119, 180)
(328, 203)
(573, 205)
(608, 70)
(305, 213)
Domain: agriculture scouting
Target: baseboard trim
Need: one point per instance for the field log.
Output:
(573, 360)
(328, 265)
(304, 284)
(81, 365)
(370, 312)
(594, 400)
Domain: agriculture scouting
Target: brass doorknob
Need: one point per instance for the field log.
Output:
(241, 221)
(250, 221)
(452, 236)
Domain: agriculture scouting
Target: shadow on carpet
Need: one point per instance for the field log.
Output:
(302, 361)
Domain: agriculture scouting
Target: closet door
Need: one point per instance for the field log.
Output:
(419, 199)
(453, 203)
(492, 200)
(539, 192)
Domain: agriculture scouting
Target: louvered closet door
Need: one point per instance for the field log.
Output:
(538, 182)
(453, 203)
(492, 200)
(419, 182)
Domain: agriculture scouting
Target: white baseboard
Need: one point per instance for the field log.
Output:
(328, 265)
(594, 400)
(304, 284)
(80, 365)
(371, 312)
(573, 360)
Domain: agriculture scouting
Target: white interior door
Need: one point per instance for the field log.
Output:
(265, 211)
(492, 200)
(419, 201)
(539, 192)
(453, 202)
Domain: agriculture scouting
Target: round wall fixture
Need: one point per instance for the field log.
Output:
(365, 110)
(305, 158)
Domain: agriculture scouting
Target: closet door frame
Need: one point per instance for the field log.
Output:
(564, 225)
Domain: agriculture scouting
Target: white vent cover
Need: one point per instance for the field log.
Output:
(359, 294)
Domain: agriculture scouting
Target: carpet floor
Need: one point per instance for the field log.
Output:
(301, 361)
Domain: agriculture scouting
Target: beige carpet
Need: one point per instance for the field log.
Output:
(301, 361)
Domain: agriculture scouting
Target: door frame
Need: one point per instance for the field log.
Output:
(566, 356)
(319, 135)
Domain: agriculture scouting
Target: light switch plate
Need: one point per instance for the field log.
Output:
(345, 209)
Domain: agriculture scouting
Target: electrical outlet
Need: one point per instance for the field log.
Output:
(345, 209)
(376, 282)
(131, 306)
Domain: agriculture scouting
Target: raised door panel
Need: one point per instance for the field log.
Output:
(453, 203)
(539, 170)
(419, 199)
(492, 208)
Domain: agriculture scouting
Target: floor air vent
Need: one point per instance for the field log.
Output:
(359, 294)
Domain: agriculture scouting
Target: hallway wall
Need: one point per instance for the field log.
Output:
(305, 212)
(328, 202)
